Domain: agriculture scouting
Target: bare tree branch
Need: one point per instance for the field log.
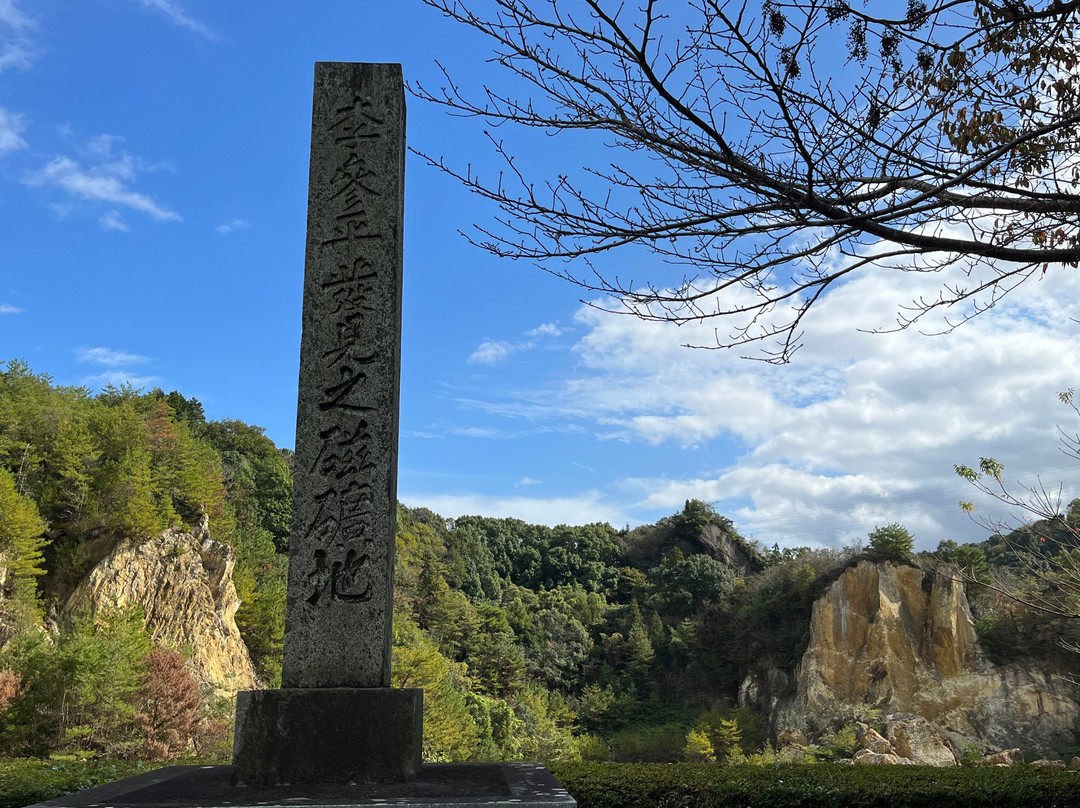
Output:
(778, 148)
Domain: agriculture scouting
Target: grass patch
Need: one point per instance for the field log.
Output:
(25, 781)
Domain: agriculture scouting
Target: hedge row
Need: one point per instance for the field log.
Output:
(26, 781)
(690, 785)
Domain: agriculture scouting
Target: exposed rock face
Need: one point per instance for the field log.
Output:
(183, 582)
(720, 546)
(880, 644)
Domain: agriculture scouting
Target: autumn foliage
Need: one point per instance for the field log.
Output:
(167, 706)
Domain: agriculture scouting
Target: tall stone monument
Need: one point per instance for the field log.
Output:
(336, 733)
(336, 690)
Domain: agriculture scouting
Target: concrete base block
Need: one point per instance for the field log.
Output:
(439, 785)
(349, 735)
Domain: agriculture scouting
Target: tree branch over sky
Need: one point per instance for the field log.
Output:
(767, 151)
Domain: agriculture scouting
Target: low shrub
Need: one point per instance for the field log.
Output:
(698, 785)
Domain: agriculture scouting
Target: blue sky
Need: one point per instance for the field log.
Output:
(153, 170)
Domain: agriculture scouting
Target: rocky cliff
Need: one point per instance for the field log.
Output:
(183, 583)
(885, 647)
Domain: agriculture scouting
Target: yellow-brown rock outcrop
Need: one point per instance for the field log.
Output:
(183, 583)
(884, 645)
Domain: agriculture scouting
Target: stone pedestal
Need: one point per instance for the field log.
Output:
(297, 736)
(438, 785)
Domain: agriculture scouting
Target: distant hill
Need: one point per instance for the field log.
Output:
(129, 521)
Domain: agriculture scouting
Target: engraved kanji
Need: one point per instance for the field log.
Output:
(353, 121)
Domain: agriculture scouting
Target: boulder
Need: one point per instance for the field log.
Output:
(873, 741)
(864, 757)
(1008, 757)
(791, 738)
(915, 738)
(1048, 764)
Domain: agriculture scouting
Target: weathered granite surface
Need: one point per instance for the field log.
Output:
(341, 551)
(336, 720)
(319, 735)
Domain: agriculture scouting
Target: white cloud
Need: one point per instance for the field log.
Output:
(583, 509)
(108, 356)
(175, 12)
(528, 481)
(11, 129)
(7, 308)
(545, 330)
(491, 352)
(860, 430)
(235, 224)
(106, 182)
(112, 220)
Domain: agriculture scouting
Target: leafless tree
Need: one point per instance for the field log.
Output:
(767, 151)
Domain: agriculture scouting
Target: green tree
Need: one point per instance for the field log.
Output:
(81, 689)
(699, 748)
(260, 577)
(450, 730)
(496, 662)
(22, 538)
(257, 475)
(893, 541)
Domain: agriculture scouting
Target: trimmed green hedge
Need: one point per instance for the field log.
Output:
(692, 785)
(24, 781)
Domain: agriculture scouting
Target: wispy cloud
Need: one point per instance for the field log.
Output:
(7, 308)
(489, 433)
(112, 220)
(118, 378)
(527, 481)
(12, 17)
(108, 181)
(119, 368)
(16, 54)
(108, 357)
(491, 352)
(11, 129)
(860, 430)
(235, 224)
(16, 50)
(175, 12)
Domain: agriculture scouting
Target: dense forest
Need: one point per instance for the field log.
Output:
(531, 642)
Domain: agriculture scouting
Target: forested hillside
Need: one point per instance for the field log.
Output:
(530, 642)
